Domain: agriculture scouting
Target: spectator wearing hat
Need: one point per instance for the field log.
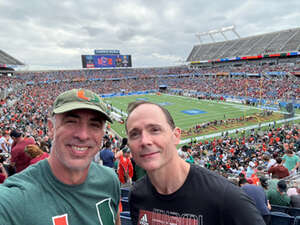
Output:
(278, 170)
(68, 187)
(279, 196)
(19, 159)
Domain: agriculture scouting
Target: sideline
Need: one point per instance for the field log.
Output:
(188, 140)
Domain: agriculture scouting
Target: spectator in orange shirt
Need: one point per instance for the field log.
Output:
(125, 168)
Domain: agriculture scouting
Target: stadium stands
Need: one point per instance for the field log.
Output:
(292, 43)
(275, 42)
(7, 59)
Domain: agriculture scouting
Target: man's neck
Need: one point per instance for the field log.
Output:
(169, 179)
(68, 177)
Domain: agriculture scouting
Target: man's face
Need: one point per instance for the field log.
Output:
(151, 139)
(77, 136)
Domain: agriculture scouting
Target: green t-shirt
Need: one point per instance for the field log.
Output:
(290, 161)
(275, 198)
(35, 197)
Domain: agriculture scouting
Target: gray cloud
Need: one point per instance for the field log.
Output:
(53, 34)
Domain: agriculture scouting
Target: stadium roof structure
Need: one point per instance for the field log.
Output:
(280, 43)
(222, 31)
(7, 60)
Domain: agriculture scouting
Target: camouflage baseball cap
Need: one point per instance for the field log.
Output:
(79, 99)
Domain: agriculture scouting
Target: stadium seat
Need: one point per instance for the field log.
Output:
(293, 211)
(125, 220)
(125, 204)
(297, 220)
(125, 213)
(279, 208)
(280, 218)
(124, 192)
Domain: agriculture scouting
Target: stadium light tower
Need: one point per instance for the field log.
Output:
(199, 37)
(221, 31)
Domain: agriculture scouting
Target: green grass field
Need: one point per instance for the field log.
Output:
(211, 110)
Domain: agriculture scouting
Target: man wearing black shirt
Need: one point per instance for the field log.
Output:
(173, 191)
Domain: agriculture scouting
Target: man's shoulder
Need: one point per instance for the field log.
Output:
(197, 176)
(252, 187)
(30, 176)
(105, 151)
(28, 181)
(207, 174)
(140, 185)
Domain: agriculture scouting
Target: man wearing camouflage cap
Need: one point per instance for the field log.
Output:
(68, 188)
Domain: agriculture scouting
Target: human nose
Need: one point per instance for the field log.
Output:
(82, 132)
(146, 138)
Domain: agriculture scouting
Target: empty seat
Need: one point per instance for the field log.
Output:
(297, 220)
(125, 213)
(280, 218)
(279, 208)
(125, 204)
(125, 220)
(293, 211)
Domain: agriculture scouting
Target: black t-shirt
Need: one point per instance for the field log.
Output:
(205, 198)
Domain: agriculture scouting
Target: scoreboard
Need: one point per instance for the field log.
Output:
(106, 60)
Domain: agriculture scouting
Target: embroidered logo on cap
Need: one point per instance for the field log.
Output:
(81, 95)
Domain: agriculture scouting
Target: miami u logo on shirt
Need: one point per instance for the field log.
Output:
(104, 210)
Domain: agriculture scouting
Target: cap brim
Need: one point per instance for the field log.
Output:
(80, 105)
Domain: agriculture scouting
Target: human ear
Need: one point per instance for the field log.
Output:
(50, 128)
(177, 135)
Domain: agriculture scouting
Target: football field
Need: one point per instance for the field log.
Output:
(187, 112)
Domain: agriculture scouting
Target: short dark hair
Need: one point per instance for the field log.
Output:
(133, 105)
(107, 144)
(15, 134)
(289, 151)
(264, 182)
(278, 160)
(242, 181)
(282, 186)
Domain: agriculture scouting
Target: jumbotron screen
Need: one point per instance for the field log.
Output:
(106, 61)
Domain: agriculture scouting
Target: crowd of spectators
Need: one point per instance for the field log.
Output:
(25, 107)
(264, 163)
(271, 154)
(232, 155)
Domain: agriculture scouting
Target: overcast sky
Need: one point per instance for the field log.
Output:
(53, 34)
